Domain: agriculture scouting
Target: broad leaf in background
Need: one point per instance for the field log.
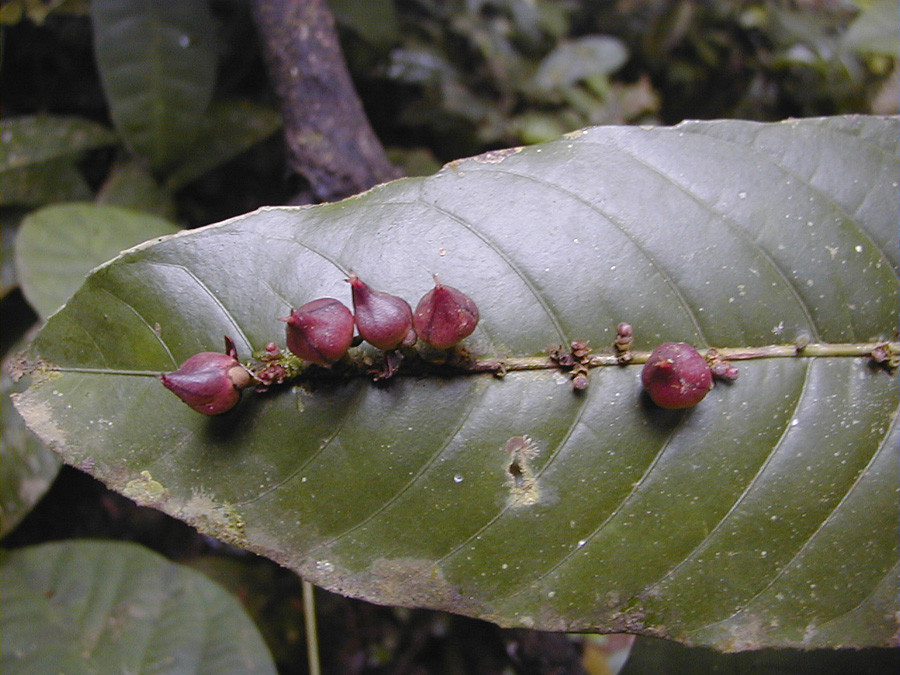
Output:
(58, 245)
(102, 607)
(37, 165)
(131, 185)
(157, 63)
(767, 515)
(228, 129)
(29, 141)
(27, 467)
(580, 59)
(875, 30)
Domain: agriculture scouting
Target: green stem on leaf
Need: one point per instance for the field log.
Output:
(812, 350)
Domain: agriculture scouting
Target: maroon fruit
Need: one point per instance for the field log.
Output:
(383, 320)
(209, 382)
(676, 376)
(320, 331)
(444, 316)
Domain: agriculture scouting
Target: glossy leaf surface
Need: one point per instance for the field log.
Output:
(767, 515)
(103, 607)
(157, 63)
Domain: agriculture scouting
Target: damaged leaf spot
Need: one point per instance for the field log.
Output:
(496, 156)
(144, 490)
(217, 519)
(523, 486)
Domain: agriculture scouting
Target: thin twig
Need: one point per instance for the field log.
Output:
(309, 623)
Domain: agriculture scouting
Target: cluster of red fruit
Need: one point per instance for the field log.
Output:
(675, 376)
(321, 332)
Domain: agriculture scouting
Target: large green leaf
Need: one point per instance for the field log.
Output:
(157, 63)
(767, 515)
(105, 607)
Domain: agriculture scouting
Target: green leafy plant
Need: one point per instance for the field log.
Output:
(521, 476)
(732, 524)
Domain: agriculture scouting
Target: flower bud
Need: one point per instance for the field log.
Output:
(209, 382)
(383, 320)
(320, 331)
(676, 376)
(444, 316)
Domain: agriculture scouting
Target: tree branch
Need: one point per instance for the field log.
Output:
(329, 138)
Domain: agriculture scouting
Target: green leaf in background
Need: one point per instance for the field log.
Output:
(101, 607)
(27, 467)
(375, 21)
(765, 516)
(229, 129)
(580, 59)
(875, 30)
(157, 63)
(58, 245)
(37, 165)
(34, 140)
(54, 181)
(131, 185)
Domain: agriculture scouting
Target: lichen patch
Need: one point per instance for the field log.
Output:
(496, 156)
(217, 519)
(144, 490)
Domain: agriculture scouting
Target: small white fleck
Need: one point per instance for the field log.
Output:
(742, 195)
(184, 41)
(858, 249)
(581, 542)
(795, 422)
(458, 478)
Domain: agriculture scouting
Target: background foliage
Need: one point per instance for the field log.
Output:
(440, 80)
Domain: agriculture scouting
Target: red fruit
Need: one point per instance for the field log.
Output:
(444, 316)
(320, 331)
(676, 376)
(383, 320)
(209, 382)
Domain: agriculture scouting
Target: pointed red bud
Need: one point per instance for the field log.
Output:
(444, 316)
(383, 320)
(320, 331)
(209, 382)
(676, 376)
